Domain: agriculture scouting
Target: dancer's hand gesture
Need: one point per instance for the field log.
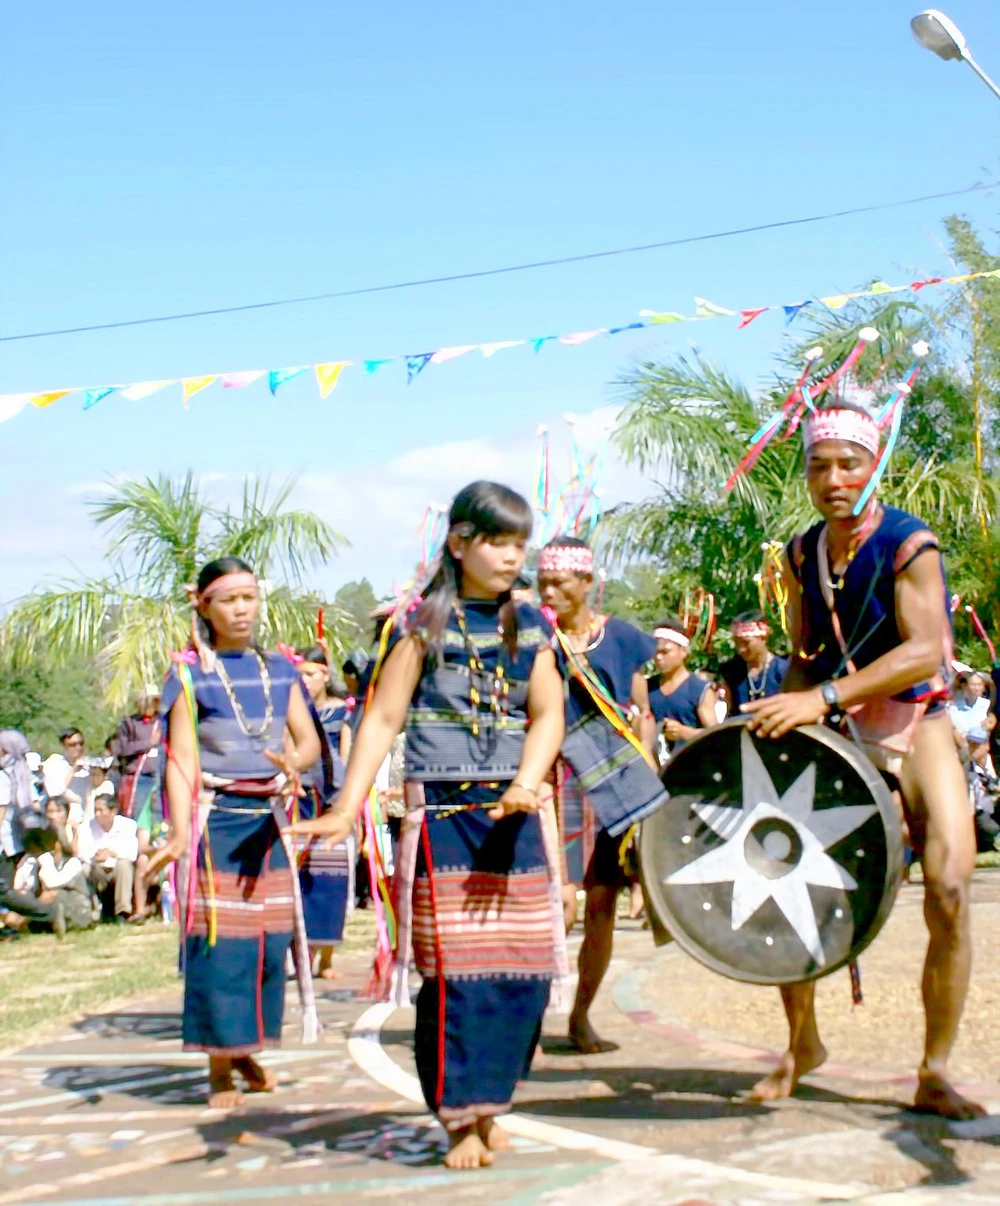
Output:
(292, 787)
(517, 798)
(334, 827)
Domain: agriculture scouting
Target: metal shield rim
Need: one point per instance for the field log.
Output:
(869, 773)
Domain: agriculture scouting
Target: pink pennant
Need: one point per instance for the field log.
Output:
(443, 355)
(916, 286)
(241, 380)
(580, 337)
(749, 315)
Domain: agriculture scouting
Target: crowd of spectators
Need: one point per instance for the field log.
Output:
(76, 829)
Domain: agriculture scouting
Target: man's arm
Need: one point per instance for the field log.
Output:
(646, 724)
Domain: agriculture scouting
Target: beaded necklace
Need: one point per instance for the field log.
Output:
(478, 673)
(759, 688)
(246, 728)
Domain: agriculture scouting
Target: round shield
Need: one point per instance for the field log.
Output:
(772, 862)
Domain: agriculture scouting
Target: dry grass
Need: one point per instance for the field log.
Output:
(49, 984)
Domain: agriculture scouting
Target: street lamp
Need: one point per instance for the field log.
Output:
(940, 34)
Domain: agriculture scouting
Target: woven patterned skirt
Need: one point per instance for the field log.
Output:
(325, 881)
(234, 955)
(483, 941)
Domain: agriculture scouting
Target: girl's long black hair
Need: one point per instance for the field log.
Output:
(480, 509)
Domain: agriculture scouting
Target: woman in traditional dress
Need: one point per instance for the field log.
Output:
(238, 731)
(325, 875)
(476, 885)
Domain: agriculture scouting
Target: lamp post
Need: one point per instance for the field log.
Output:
(940, 34)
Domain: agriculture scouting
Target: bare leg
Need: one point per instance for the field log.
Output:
(595, 955)
(258, 1078)
(140, 888)
(326, 970)
(934, 788)
(805, 1050)
(467, 1150)
(569, 905)
(636, 901)
(493, 1135)
(223, 1095)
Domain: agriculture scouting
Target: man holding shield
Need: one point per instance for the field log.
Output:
(870, 633)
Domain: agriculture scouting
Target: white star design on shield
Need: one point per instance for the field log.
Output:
(816, 830)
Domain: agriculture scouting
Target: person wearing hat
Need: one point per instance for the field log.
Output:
(755, 672)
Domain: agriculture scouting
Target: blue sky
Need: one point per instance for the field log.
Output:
(171, 156)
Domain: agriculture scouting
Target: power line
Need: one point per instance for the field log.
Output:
(483, 272)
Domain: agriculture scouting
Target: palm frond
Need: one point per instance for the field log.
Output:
(65, 620)
(155, 526)
(146, 630)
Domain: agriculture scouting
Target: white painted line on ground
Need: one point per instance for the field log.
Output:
(367, 1051)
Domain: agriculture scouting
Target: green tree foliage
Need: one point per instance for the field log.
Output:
(42, 701)
(160, 532)
(691, 422)
(357, 601)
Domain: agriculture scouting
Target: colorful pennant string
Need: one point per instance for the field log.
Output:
(328, 373)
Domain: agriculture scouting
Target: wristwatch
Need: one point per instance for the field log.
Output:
(829, 692)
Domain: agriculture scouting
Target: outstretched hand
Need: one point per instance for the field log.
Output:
(779, 714)
(514, 799)
(334, 827)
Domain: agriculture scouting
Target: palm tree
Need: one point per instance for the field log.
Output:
(161, 531)
(691, 422)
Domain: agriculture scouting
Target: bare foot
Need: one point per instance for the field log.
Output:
(222, 1093)
(636, 902)
(493, 1135)
(936, 1096)
(259, 1079)
(791, 1068)
(467, 1150)
(586, 1040)
(329, 973)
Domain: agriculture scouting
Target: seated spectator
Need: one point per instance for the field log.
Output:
(970, 704)
(74, 750)
(110, 844)
(62, 879)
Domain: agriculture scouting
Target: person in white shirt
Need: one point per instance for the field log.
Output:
(62, 877)
(110, 843)
(971, 704)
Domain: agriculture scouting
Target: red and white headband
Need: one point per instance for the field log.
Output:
(672, 635)
(565, 559)
(849, 425)
(241, 580)
(750, 628)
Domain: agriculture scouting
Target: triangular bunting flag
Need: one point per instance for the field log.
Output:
(278, 377)
(656, 318)
(443, 355)
(415, 365)
(791, 311)
(11, 405)
(706, 309)
(327, 376)
(632, 326)
(373, 366)
(838, 300)
(242, 380)
(747, 316)
(43, 400)
(144, 389)
(488, 349)
(194, 385)
(877, 287)
(579, 337)
(92, 396)
(957, 280)
(537, 342)
(916, 286)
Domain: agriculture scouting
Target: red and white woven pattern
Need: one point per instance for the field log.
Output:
(565, 559)
(750, 628)
(849, 425)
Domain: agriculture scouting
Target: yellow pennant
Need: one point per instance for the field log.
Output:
(43, 400)
(194, 385)
(838, 300)
(327, 375)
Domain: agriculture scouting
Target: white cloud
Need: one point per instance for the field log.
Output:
(377, 507)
